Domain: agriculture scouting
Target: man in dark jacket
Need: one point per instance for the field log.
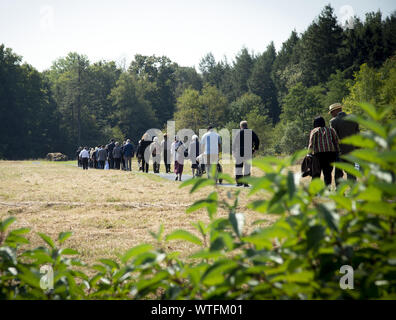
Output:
(246, 142)
(117, 156)
(102, 155)
(343, 128)
(110, 148)
(144, 143)
(129, 151)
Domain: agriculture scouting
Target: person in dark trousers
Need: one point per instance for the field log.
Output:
(78, 151)
(166, 151)
(193, 153)
(138, 155)
(323, 142)
(110, 148)
(145, 142)
(102, 156)
(84, 155)
(155, 150)
(343, 128)
(245, 144)
(129, 151)
(117, 155)
(122, 156)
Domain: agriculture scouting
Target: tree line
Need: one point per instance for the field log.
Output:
(77, 102)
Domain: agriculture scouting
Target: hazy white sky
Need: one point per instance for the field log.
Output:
(184, 30)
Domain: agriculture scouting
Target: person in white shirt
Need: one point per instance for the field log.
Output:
(84, 155)
(210, 147)
(177, 150)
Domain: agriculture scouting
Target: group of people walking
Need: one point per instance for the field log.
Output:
(113, 155)
(203, 153)
(324, 145)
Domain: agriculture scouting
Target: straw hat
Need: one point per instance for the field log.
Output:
(335, 106)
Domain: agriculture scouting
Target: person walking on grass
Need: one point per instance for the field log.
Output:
(117, 155)
(245, 144)
(166, 151)
(193, 153)
(145, 156)
(129, 151)
(110, 148)
(343, 128)
(177, 150)
(84, 155)
(323, 142)
(155, 150)
(210, 147)
(102, 156)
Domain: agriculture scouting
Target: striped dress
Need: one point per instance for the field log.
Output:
(323, 139)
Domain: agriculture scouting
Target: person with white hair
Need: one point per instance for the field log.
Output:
(129, 151)
(211, 147)
(193, 153)
(155, 150)
(117, 155)
(145, 156)
(177, 150)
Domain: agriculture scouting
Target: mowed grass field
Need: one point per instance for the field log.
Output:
(108, 211)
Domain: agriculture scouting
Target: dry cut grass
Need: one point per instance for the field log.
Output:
(107, 211)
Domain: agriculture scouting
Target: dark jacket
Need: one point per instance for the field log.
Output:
(238, 145)
(117, 152)
(142, 147)
(129, 150)
(110, 148)
(344, 128)
(102, 155)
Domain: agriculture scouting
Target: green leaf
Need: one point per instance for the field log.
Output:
(47, 240)
(315, 235)
(210, 203)
(198, 183)
(380, 208)
(343, 202)
(6, 223)
(347, 167)
(63, 236)
(220, 241)
(329, 216)
(291, 187)
(136, 251)
(200, 226)
(370, 194)
(359, 141)
(110, 263)
(369, 124)
(184, 235)
(237, 221)
(368, 155)
(68, 251)
(370, 110)
(316, 186)
(19, 231)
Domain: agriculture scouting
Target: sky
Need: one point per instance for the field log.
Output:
(42, 31)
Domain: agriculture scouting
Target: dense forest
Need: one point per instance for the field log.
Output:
(77, 102)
